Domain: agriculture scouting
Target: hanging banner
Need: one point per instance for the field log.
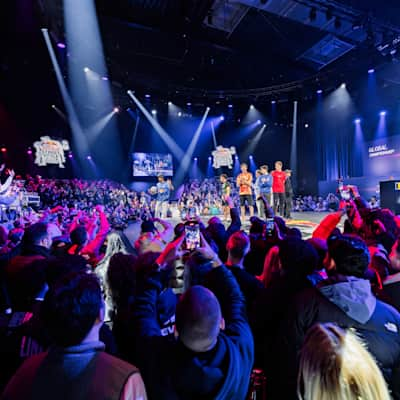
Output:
(223, 157)
(50, 151)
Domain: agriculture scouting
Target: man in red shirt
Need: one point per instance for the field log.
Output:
(278, 187)
(244, 181)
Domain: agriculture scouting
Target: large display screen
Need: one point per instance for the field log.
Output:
(382, 157)
(152, 164)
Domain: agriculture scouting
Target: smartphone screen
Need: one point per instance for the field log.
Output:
(192, 235)
(270, 225)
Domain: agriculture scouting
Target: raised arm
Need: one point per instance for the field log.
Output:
(233, 304)
(236, 223)
(167, 234)
(146, 307)
(146, 301)
(94, 246)
(7, 183)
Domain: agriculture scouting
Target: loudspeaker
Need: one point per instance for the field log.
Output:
(390, 195)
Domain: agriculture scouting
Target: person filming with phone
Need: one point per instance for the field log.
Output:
(212, 354)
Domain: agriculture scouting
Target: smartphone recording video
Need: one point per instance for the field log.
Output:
(344, 192)
(192, 235)
(270, 226)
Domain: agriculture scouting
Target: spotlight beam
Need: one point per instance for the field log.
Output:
(137, 122)
(94, 130)
(254, 142)
(79, 138)
(293, 147)
(60, 113)
(213, 134)
(166, 138)
(186, 160)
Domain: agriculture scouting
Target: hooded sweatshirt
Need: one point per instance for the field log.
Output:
(348, 302)
(353, 296)
(172, 371)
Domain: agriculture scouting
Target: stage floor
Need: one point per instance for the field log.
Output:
(305, 221)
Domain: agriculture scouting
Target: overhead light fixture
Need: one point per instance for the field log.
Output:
(170, 103)
(319, 91)
(251, 106)
(357, 24)
(154, 112)
(329, 13)
(273, 101)
(371, 71)
(313, 14)
(343, 85)
(357, 120)
(210, 17)
(382, 113)
(86, 69)
(147, 96)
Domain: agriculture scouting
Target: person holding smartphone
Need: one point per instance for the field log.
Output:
(213, 354)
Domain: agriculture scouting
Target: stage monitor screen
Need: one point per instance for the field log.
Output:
(152, 164)
(382, 157)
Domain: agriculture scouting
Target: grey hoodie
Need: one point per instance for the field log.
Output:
(352, 295)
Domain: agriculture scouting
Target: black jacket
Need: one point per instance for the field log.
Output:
(377, 323)
(220, 235)
(288, 187)
(250, 286)
(171, 371)
(391, 291)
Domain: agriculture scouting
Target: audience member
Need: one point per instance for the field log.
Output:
(346, 299)
(335, 365)
(213, 354)
(238, 246)
(76, 367)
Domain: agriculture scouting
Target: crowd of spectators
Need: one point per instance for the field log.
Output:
(90, 311)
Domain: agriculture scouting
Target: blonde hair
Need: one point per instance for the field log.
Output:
(335, 365)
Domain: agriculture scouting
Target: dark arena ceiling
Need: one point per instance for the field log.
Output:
(238, 49)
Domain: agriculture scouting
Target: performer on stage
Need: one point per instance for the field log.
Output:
(263, 184)
(162, 200)
(278, 188)
(244, 181)
(225, 192)
(288, 194)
